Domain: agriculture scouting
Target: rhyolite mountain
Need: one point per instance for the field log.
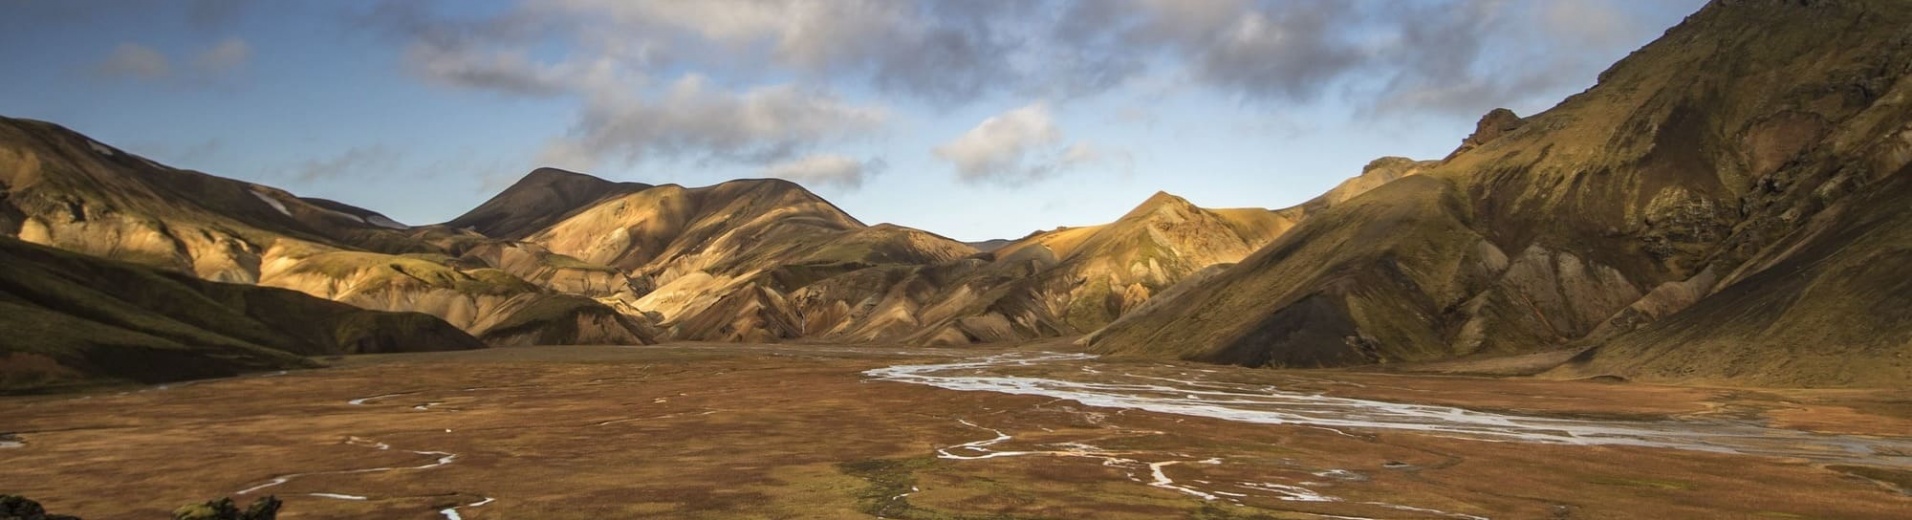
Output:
(1727, 204)
(766, 260)
(62, 189)
(77, 319)
(538, 200)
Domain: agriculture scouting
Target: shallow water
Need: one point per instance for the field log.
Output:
(1263, 404)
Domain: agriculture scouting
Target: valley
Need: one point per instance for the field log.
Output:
(1039, 430)
(1683, 290)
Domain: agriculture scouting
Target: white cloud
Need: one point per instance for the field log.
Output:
(826, 170)
(362, 162)
(939, 52)
(132, 60)
(227, 55)
(1017, 147)
(135, 61)
(692, 120)
(628, 63)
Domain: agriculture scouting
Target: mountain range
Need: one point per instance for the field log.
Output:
(1727, 205)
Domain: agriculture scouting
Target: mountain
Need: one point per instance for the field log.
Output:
(717, 263)
(1699, 214)
(538, 200)
(766, 260)
(65, 190)
(1063, 282)
(73, 319)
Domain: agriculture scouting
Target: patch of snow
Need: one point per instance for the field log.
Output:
(101, 148)
(1290, 493)
(348, 216)
(1341, 474)
(451, 513)
(338, 496)
(1162, 481)
(381, 221)
(1399, 507)
(272, 202)
(362, 400)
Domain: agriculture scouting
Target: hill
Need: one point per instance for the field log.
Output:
(68, 191)
(74, 319)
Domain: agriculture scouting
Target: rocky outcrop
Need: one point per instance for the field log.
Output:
(15, 507)
(1496, 123)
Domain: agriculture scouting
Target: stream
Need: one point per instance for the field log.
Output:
(439, 458)
(1192, 395)
(1264, 404)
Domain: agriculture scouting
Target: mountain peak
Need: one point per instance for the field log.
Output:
(1391, 161)
(545, 174)
(1159, 202)
(536, 200)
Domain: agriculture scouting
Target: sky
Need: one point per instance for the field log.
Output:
(975, 119)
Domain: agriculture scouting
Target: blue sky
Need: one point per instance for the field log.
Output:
(974, 119)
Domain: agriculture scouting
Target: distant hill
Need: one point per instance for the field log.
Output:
(74, 319)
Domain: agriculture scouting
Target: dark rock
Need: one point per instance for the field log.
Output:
(15, 507)
(1496, 123)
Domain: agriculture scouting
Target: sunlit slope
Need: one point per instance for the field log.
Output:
(68, 191)
(718, 262)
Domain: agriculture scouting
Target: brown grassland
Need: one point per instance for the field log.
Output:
(795, 431)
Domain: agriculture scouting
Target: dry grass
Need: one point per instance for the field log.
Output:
(796, 432)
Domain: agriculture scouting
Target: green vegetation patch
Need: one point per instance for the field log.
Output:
(559, 261)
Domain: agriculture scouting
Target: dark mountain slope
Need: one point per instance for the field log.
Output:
(72, 318)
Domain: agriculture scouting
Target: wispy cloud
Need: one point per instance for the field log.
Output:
(827, 170)
(135, 61)
(1018, 146)
(359, 162)
(690, 119)
(229, 54)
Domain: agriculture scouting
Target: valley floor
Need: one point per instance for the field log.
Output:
(815, 431)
